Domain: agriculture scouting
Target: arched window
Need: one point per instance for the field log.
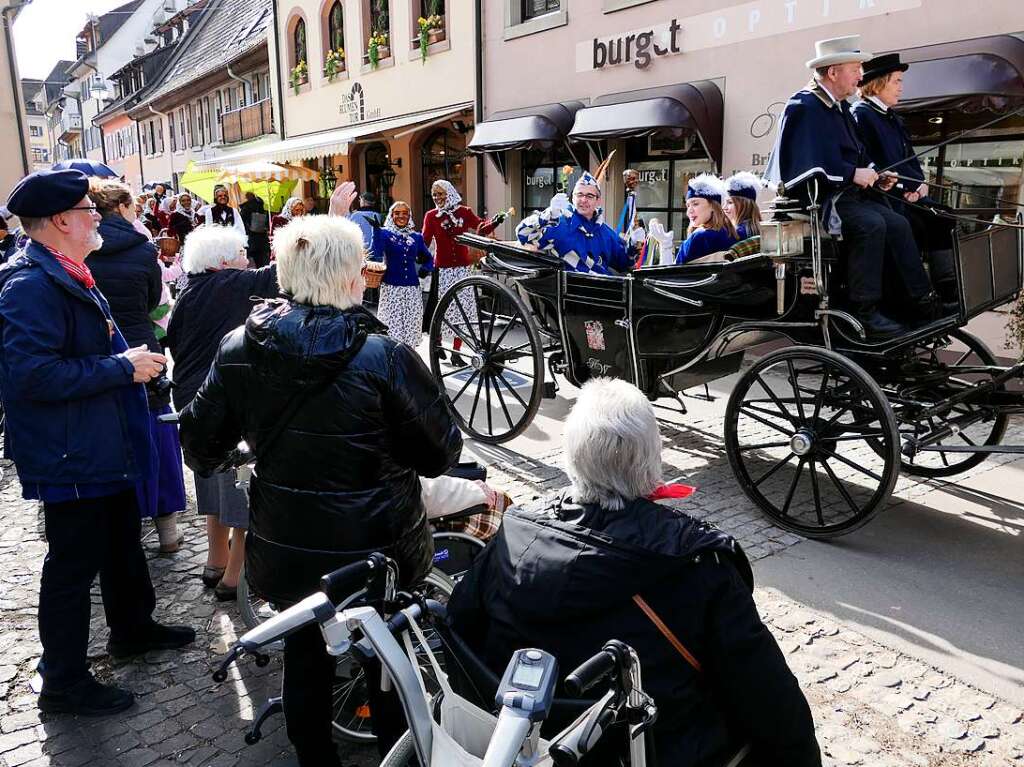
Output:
(335, 28)
(299, 42)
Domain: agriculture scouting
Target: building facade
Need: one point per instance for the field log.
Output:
(34, 100)
(675, 89)
(16, 161)
(393, 119)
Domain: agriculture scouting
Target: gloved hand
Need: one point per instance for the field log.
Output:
(664, 239)
(638, 235)
(559, 206)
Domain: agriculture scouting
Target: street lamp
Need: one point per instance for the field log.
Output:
(329, 180)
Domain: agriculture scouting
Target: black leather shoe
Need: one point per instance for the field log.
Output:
(876, 324)
(458, 361)
(156, 637)
(86, 698)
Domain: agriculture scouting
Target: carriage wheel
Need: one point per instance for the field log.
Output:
(494, 392)
(812, 441)
(939, 356)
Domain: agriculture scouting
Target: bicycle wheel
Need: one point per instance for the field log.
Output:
(352, 719)
(254, 608)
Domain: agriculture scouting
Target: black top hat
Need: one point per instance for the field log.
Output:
(882, 65)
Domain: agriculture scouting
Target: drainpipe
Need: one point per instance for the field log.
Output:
(277, 68)
(15, 85)
(479, 29)
(103, 144)
(170, 155)
(246, 85)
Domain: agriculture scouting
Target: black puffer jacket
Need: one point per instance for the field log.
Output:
(128, 275)
(341, 479)
(561, 577)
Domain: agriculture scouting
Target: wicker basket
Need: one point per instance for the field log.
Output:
(372, 277)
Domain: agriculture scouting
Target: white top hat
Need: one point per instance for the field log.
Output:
(838, 50)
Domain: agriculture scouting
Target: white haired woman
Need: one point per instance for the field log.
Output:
(342, 420)
(215, 300)
(602, 561)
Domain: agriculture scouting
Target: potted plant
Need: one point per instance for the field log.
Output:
(377, 48)
(300, 76)
(334, 63)
(425, 30)
(436, 21)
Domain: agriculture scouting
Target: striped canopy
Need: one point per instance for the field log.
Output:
(267, 171)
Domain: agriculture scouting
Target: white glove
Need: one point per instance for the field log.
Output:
(664, 239)
(559, 206)
(637, 236)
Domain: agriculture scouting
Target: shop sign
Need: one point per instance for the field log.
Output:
(353, 106)
(740, 23)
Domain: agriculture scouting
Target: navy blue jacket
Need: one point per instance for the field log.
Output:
(403, 254)
(817, 139)
(704, 242)
(73, 413)
(886, 140)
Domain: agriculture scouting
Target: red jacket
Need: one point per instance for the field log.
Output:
(439, 229)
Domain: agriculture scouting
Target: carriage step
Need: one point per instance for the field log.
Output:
(550, 390)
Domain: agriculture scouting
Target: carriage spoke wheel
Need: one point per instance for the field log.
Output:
(812, 441)
(495, 390)
(945, 365)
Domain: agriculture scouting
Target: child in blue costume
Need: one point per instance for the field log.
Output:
(741, 203)
(577, 234)
(710, 230)
(407, 258)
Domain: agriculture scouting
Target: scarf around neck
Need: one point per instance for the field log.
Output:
(391, 226)
(452, 201)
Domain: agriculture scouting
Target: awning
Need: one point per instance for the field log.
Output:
(328, 142)
(539, 127)
(967, 75)
(670, 110)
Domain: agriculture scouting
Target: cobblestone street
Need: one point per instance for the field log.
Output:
(873, 705)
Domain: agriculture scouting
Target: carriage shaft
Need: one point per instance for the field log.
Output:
(982, 387)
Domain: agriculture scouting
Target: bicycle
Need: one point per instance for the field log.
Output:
(525, 694)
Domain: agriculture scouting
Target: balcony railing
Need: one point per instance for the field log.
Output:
(247, 123)
(70, 122)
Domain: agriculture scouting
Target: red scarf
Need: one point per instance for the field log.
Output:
(79, 272)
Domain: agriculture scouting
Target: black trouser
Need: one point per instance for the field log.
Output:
(259, 249)
(308, 699)
(874, 236)
(86, 537)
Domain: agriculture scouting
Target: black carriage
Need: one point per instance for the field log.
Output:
(817, 429)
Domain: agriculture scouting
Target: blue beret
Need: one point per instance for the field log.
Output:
(48, 192)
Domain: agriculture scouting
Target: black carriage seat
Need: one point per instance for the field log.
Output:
(474, 680)
(747, 282)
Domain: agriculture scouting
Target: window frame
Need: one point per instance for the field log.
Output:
(518, 26)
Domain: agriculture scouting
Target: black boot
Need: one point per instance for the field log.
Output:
(458, 360)
(928, 308)
(876, 324)
(155, 637)
(86, 698)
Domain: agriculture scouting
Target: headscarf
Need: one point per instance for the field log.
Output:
(191, 199)
(165, 204)
(452, 200)
(391, 226)
(286, 211)
(222, 215)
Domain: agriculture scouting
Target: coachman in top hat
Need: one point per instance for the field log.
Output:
(818, 152)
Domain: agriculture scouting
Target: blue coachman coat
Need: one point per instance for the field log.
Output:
(886, 139)
(74, 414)
(584, 245)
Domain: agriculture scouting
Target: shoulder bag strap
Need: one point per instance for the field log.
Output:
(667, 632)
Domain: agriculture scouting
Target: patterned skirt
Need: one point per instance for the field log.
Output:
(401, 309)
(447, 278)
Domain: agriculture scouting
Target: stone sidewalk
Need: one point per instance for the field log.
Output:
(872, 706)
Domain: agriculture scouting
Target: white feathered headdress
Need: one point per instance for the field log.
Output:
(706, 185)
(744, 184)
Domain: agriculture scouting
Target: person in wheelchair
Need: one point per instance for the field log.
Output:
(818, 155)
(577, 234)
(710, 229)
(888, 145)
(568, 573)
(341, 420)
(740, 203)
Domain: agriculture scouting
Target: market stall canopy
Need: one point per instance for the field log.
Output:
(539, 127)
(986, 73)
(328, 142)
(669, 110)
(202, 182)
(267, 171)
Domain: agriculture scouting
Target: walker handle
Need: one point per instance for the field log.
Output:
(590, 672)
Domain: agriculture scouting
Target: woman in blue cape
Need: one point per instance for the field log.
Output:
(710, 230)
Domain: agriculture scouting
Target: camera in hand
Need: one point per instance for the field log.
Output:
(161, 385)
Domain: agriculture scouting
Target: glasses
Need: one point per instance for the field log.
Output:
(91, 208)
(585, 196)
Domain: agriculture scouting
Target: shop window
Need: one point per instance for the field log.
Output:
(665, 167)
(376, 30)
(543, 177)
(443, 157)
(526, 17)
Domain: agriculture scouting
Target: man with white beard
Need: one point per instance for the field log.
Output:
(78, 430)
